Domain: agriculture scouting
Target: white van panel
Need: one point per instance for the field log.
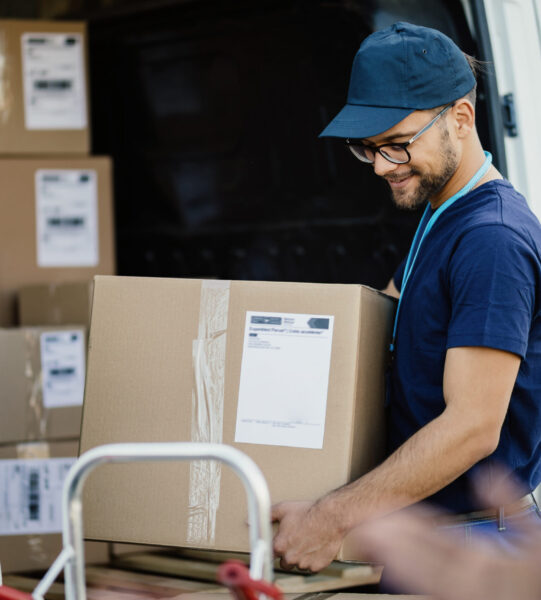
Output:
(516, 47)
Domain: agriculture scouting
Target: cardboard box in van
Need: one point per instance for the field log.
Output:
(43, 88)
(292, 374)
(64, 303)
(31, 477)
(42, 372)
(56, 225)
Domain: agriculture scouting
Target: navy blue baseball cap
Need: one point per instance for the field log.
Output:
(397, 71)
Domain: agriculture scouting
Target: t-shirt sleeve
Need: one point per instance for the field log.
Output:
(493, 277)
(399, 275)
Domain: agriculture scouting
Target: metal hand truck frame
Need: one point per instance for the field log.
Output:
(242, 584)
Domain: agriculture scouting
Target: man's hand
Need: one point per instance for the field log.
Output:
(307, 537)
(477, 386)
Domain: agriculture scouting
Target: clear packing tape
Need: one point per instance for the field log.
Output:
(29, 450)
(5, 89)
(36, 413)
(208, 356)
(34, 543)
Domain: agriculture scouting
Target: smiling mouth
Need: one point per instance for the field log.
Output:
(399, 182)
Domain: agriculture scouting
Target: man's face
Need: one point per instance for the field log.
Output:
(433, 162)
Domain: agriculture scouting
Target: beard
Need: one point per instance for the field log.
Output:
(429, 184)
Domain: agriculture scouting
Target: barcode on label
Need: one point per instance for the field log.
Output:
(33, 495)
(66, 223)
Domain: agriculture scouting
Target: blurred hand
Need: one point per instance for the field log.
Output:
(420, 558)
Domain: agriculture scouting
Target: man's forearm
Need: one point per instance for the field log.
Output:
(431, 459)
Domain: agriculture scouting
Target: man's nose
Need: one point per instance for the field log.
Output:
(382, 166)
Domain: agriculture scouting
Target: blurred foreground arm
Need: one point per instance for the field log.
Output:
(423, 559)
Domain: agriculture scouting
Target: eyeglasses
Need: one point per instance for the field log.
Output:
(396, 153)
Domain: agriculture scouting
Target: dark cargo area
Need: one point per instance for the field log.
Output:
(211, 112)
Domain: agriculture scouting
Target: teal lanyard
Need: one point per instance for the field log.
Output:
(425, 225)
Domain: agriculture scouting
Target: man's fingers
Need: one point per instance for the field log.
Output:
(300, 540)
(280, 545)
(284, 565)
(302, 566)
(278, 548)
(277, 512)
(305, 567)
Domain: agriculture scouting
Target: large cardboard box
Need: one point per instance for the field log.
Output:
(31, 478)
(56, 225)
(55, 303)
(43, 88)
(42, 371)
(292, 374)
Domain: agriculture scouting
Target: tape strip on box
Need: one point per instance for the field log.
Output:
(6, 95)
(35, 548)
(28, 450)
(208, 355)
(36, 420)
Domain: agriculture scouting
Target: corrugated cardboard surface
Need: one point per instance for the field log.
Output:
(14, 137)
(139, 388)
(20, 553)
(22, 414)
(55, 303)
(18, 243)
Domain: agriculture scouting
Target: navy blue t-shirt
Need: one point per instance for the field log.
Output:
(476, 282)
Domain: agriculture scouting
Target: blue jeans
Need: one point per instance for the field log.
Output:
(487, 529)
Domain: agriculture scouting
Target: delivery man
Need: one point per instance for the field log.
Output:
(464, 387)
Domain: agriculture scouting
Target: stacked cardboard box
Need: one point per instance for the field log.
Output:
(43, 96)
(56, 228)
(42, 372)
(31, 476)
(55, 199)
(55, 303)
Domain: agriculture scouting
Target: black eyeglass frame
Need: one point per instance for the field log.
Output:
(402, 145)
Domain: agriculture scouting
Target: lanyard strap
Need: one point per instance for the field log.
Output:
(425, 225)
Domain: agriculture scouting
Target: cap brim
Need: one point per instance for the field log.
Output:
(356, 121)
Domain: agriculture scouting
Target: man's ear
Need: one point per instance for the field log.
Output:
(463, 114)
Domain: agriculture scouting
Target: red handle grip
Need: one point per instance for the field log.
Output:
(235, 575)
(8, 593)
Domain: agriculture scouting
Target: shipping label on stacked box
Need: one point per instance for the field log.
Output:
(54, 80)
(32, 493)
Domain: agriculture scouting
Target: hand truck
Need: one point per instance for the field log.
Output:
(243, 584)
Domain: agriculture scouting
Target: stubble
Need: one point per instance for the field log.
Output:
(429, 184)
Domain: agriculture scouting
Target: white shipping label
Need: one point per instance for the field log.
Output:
(62, 368)
(67, 218)
(31, 499)
(54, 81)
(284, 379)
